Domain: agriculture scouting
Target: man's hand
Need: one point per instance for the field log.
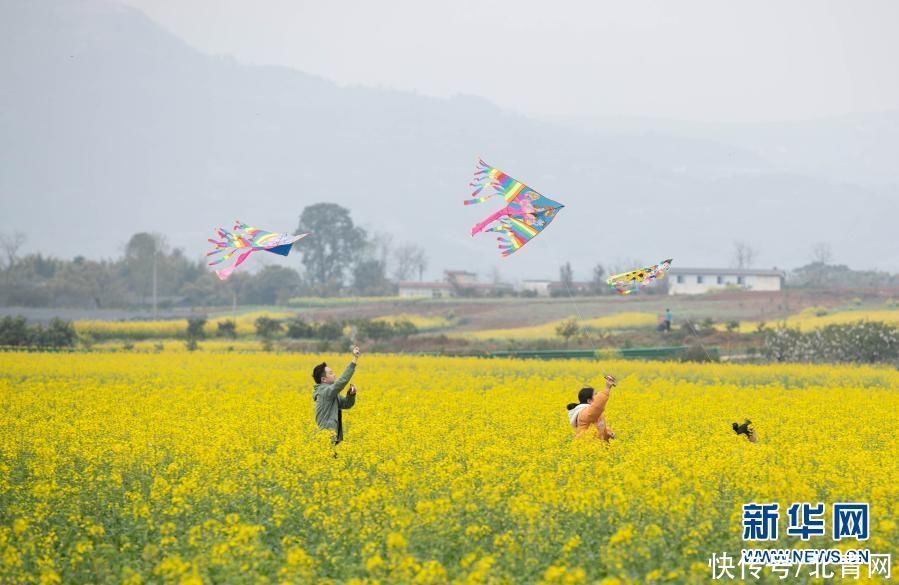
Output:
(356, 353)
(352, 390)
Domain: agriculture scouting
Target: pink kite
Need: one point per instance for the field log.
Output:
(525, 214)
(244, 240)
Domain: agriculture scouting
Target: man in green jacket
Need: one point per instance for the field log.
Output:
(329, 404)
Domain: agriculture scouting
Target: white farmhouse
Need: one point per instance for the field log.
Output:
(426, 290)
(456, 283)
(537, 287)
(695, 281)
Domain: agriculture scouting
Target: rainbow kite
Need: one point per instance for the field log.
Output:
(526, 214)
(244, 240)
(629, 282)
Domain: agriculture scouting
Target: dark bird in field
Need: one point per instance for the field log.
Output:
(745, 429)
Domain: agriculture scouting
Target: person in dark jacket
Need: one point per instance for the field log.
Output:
(329, 404)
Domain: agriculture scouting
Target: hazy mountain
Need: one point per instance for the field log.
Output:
(859, 148)
(110, 125)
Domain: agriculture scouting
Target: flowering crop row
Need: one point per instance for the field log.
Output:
(190, 468)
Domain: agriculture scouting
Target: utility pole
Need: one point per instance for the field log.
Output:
(155, 244)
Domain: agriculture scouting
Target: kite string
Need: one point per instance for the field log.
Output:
(576, 309)
(571, 297)
(692, 329)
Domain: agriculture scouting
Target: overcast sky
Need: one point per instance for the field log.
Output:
(691, 60)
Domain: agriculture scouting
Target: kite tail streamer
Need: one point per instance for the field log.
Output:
(481, 179)
(226, 272)
(513, 234)
(507, 241)
(498, 183)
(479, 227)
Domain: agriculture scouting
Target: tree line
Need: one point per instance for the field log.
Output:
(17, 332)
(342, 258)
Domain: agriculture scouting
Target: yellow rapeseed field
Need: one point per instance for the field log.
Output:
(816, 317)
(171, 328)
(306, 302)
(206, 467)
(421, 322)
(626, 320)
(179, 345)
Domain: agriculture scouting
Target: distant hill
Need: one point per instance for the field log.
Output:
(111, 125)
(857, 148)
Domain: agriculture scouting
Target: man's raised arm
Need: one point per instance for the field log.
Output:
(344, 379)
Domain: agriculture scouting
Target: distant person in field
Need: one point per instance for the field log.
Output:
(587, 415)
(667, 319)
(329, 404)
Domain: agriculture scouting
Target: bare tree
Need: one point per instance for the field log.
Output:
(421, 262)
(403, 266)
(10, 243)
(821, 253)
(744, 254)
(598, 284)
(381, 246)
(408, 259)
(566, 276)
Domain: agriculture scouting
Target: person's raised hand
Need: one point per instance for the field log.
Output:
(356, 351)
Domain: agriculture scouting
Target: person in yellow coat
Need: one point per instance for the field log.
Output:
(587, 415)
